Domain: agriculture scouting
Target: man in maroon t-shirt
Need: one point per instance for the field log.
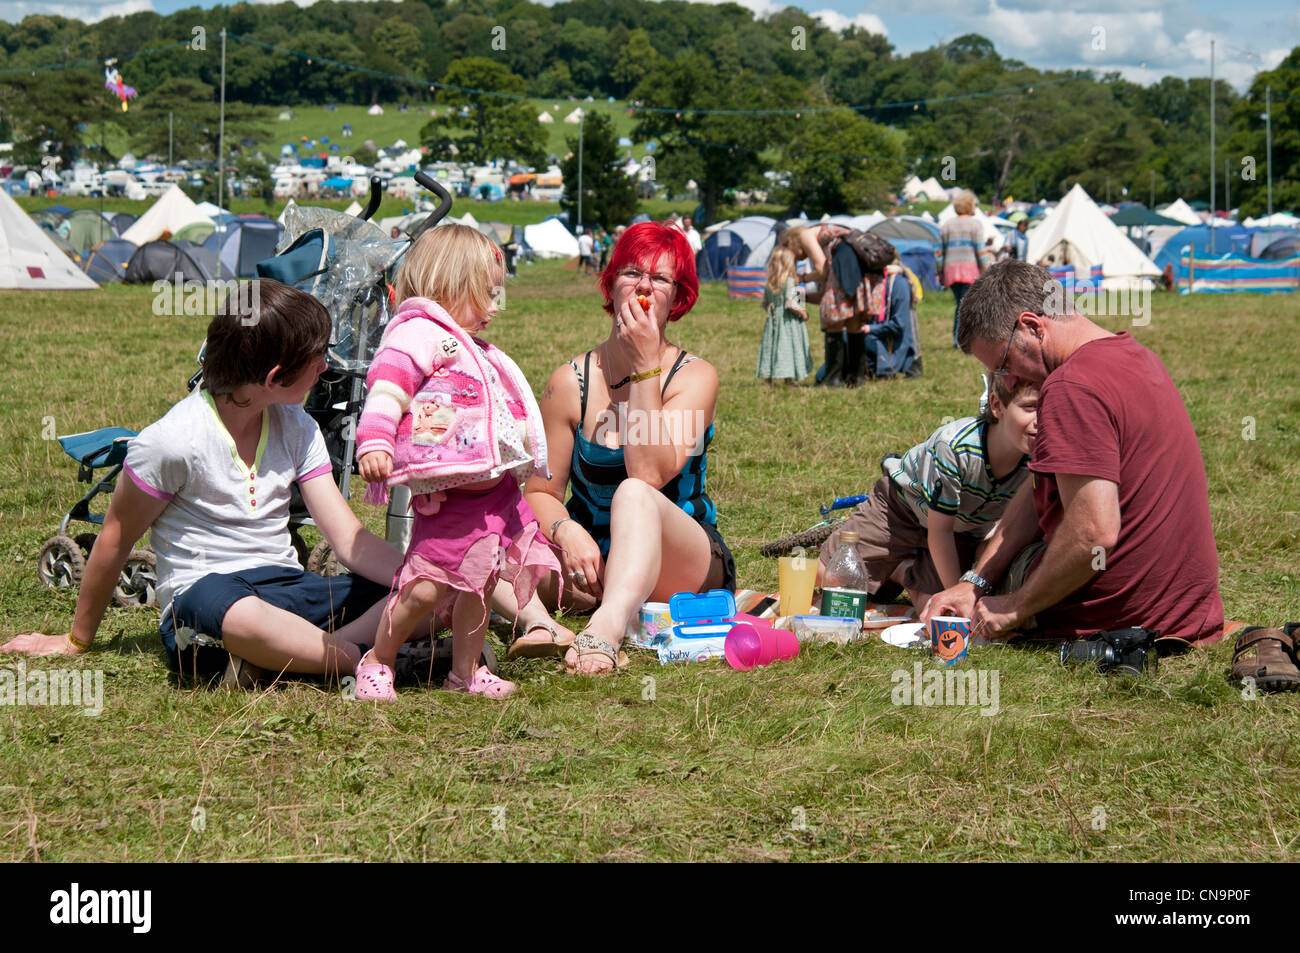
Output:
(1119, 491)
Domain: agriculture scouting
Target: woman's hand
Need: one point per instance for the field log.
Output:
(34, 643)
(638, 332)
(580, 561)
(375, 466)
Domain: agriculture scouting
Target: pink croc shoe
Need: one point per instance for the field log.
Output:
(375, 683)
(482, 682)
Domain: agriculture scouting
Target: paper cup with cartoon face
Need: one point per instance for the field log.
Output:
(949, 638)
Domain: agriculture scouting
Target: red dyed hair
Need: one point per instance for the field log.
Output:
(648, 242)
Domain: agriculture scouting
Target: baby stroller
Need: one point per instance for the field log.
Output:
(62, 560)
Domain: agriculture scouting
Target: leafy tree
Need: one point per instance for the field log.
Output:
(196, 121)
(636, 60)
(484, 126)
(840, 162)
(608, 195)
(49, 106)
(719, 150)
(1249, 140)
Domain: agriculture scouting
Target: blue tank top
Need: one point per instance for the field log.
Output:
(595, 471)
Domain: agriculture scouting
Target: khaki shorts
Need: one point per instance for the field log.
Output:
(889, 534)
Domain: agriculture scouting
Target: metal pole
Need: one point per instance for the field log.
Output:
(1268, 133)
(170, 160)
(1212, 162)
(221, 146)
(579, 222)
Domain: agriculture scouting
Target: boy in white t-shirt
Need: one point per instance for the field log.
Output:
(212, 479)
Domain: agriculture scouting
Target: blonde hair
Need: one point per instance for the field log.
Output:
(780, 269)
(964, 203)
(457, 266)
(792, 238)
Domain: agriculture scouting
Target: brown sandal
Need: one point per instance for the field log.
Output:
(1268, 657)
(557, 642)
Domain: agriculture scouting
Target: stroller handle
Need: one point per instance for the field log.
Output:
(376, 196)
(444, 203)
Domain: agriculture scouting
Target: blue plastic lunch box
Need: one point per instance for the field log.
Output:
(705, 615)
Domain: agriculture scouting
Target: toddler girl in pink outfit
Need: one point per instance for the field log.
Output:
(453, 418)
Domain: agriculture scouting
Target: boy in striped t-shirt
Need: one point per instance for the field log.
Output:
(932, 508)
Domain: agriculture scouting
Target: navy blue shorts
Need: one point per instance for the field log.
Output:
(327, 602)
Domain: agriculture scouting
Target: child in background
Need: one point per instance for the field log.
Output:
(453, 418)
(783, 351)
(933, 507)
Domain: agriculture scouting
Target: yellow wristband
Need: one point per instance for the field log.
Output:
(79, 646)
(646, 375)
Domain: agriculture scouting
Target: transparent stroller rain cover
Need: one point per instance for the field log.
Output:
(352, 290)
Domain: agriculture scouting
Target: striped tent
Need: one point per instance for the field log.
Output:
(746, 281)
(1236, 273)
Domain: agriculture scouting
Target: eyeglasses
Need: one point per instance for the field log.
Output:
(658, 282)
(1002, 368)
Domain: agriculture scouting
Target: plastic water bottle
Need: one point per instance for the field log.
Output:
(844, 582)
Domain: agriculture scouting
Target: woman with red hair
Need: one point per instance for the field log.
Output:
(627, 425)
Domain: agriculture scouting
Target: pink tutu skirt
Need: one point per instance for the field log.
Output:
(475, 538)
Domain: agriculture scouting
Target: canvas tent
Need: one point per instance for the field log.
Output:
(107, 263)
(162, 261)
(910, 229)
(1180, 211)
(1276, 220)
(575, 117)
(746, 242)
(172, 212)
(932, 190)
(29, 258)
(244, 242)
(122, 221)
(550, 239)
(86, 228)
(545, 117)
(1090, 239)
(1205, 242)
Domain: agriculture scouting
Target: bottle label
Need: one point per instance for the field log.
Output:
(844, 602)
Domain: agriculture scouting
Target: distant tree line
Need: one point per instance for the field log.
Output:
(941, 111)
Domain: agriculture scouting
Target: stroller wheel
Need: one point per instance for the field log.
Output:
(87, 542)
(322, 560)
(60, 564)
(138, 580)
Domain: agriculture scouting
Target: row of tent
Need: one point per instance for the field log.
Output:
(1075, 232)
(175, 236)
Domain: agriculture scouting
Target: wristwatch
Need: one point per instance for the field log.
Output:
(976, 580)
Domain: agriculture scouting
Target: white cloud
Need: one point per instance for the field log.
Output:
(863, 21)
(1141, 43)
(84, 10)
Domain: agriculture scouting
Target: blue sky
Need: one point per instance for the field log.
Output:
(1143, 39)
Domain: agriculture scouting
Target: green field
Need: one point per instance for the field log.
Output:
(802, 760)
(316, 121)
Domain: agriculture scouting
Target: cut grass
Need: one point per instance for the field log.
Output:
(802, 760)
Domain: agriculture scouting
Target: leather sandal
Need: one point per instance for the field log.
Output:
(1268, 657)
(556, 643)
(587, 644)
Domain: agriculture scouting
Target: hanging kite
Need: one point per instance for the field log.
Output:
(113, 83)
